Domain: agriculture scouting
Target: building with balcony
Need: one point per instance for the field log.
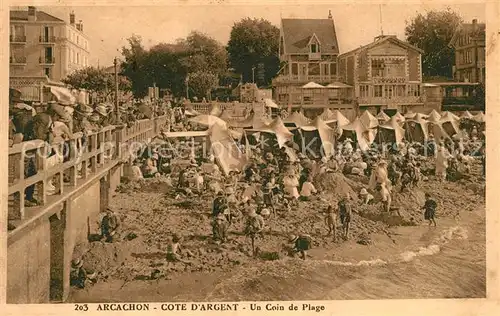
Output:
(469, 44)
(308, 50)
(385, 75)
(42, 45)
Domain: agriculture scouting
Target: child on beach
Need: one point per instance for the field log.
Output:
(331, 221)
(430, 209)
(174, 250)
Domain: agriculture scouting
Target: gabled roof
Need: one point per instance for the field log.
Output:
(40, 16)
(469, 28)
(297, 34)
(387, 38)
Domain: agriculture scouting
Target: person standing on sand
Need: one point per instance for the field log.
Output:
(345, 212)
(430, 209)
(331, 221)
(253, 227)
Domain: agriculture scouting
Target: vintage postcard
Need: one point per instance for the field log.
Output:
(302, 157)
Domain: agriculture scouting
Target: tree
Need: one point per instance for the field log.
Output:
(253, 42)
(96, 80)
(201, 83)
(133, 67)
(167, 64)
(432, 33)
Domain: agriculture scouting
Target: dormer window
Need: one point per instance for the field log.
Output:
(314, 48)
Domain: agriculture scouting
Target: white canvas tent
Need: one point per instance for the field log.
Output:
(467, 115)
(318, 129)
(363, 135)
(381, 116)
(297, 119)
(479, 117)
(390, 132)
(207, 120)
(368, 120)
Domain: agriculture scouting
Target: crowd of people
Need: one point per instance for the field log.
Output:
(56, 122)
(275, 181)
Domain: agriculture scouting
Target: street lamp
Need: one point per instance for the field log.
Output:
(253, 74)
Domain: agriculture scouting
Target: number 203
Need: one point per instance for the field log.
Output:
(81, 308)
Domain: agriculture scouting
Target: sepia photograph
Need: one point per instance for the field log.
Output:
(232, 153)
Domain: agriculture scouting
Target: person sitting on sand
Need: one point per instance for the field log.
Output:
(301, 244)
(291, 183)
(109, 225)
(149, 170)
(366, 198)
(307, 190)
(77, 275)
(430, 207)
(345, 212)
(174, 250)
(331, 220)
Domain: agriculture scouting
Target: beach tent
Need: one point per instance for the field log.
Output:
(244, 123)
(276, 128)
(225, 150)
(437, 130)
(416, 129)
(480, 118)
(434, 117)
(399, 117)
(448, 115)
(466, 115)
(450, 125)
(225, 115)
(368, 120)
(207, 120)
(296, 119)
(334, 119)
(390, 132)
(383, 117)
(216, 110)
(358, 132)
(318, 137)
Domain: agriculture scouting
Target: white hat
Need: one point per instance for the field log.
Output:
(102, 110)
(363, 192)
(265, 212)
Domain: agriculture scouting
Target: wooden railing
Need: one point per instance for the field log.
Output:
(74, 162)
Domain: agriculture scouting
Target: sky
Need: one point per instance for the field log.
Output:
(356, 24)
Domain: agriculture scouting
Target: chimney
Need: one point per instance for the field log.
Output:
(32, 14)
(81, 25)
(330, 14)
(72, 18)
